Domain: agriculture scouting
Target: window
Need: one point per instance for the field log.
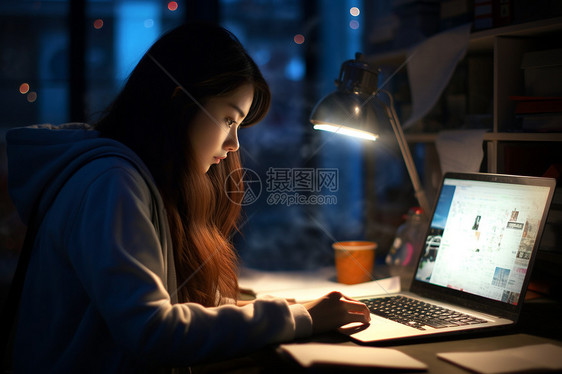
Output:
(117, 35)
(299, 46)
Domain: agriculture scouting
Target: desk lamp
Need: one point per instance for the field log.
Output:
(356, 109)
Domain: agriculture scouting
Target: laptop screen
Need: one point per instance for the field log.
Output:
(481, 237)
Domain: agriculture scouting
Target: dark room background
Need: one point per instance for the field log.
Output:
(64, 61)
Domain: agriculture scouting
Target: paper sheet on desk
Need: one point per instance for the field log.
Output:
(311, 354)
(310, 285)
(531, 358)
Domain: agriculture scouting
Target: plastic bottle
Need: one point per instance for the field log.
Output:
(408, 241)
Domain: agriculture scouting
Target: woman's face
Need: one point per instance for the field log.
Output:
(214, 131)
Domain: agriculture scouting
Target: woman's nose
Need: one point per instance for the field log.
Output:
(231, 142)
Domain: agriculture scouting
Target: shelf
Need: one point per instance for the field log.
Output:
(479, 40)
(523, 137)
(500, 77)
(490, 136)
(484, 40)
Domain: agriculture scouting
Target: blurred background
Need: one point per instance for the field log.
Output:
(64, 61)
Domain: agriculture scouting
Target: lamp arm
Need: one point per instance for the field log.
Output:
(407, 155)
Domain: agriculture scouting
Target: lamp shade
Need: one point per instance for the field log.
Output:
(353, 108)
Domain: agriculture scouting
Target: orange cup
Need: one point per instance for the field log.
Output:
(354, 261)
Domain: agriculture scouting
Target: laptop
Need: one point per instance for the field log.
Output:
(475, 265)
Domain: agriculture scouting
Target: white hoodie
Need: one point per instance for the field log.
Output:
(99, 294)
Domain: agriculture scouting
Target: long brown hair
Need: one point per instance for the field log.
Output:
(152, 114)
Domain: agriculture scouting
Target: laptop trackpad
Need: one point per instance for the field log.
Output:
(379, 329)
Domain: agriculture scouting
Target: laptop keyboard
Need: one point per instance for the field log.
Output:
(417, 314)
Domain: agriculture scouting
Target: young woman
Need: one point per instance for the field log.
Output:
(132, 268)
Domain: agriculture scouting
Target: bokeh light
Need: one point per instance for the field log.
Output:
(354, 24)
(299, 38)
(172, 5)
(32, 96)
(98, 24)
(354, 11)
(24, 88)
(148, 23)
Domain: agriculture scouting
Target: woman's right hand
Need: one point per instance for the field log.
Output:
(335, 310)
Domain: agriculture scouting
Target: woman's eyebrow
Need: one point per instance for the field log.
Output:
(237, 108)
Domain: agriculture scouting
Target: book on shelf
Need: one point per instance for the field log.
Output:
(537, 104)
(541, 122)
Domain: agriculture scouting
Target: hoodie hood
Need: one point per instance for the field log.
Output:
(41, 158)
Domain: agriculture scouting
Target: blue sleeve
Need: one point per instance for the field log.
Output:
(118, 258)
